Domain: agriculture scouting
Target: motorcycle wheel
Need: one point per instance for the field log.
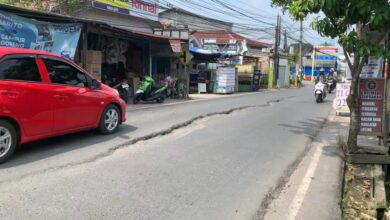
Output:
(160, 100)
(136, 99)
(318, 98)
(124, 94)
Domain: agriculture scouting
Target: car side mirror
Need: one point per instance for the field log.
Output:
(95, 84)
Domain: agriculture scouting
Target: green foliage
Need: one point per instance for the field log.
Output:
(341, 16)
(62, 6)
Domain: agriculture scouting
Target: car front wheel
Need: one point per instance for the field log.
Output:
(8, 140)
(110, 120)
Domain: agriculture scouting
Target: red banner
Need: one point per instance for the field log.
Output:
(371, 104)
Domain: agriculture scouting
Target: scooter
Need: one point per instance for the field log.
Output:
(149, 91)
(122, 86)
(331, 85)
(123, 89)
(320, 92)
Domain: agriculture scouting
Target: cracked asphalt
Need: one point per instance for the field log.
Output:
(213, 159)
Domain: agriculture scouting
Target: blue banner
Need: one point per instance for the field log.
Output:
(16, 31)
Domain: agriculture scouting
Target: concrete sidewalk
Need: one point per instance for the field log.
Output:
(314, 189)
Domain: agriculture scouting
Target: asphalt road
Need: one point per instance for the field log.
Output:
(213, 159)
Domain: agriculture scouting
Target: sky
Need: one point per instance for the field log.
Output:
(258, 15)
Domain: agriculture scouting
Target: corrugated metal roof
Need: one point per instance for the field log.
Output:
(224, 36)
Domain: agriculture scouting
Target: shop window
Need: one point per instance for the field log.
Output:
(23, 69)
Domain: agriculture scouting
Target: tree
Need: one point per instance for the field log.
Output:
(59, 6)
(352, 22)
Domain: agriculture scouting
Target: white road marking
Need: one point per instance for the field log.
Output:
(304, 186)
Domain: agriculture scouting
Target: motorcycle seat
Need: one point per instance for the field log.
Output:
(158, 86)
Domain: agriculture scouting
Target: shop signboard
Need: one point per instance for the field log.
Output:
(342, 93)
(373, 68)
(121, 6)
(371, 101)
(326, 53)
(21, 32)
(145, 9)
(226, 79)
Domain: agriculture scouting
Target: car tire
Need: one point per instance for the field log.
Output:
(110, 120)
(7, 147)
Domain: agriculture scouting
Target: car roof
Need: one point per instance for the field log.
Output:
(11, 51)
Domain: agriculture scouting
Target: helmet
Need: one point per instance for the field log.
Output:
(322, 70)
(331, 70)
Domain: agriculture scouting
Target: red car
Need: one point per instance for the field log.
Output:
(44, 95)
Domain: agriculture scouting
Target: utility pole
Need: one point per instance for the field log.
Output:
(300, 47)
(276, 51)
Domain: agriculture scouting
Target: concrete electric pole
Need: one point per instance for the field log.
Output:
(276, 51)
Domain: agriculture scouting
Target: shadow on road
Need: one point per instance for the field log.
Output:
(40, 150)
(308, 127)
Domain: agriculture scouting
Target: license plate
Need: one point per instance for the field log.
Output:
(140, 91)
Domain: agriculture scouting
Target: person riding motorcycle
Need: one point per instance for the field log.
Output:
(321, 77)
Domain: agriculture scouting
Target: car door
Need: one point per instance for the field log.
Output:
(76, 105)
(24, 95)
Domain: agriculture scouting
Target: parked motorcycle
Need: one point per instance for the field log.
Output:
(320, 92)
(122, 86)
(149, 91)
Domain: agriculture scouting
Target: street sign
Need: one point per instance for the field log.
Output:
(185, 56)
(371, 104)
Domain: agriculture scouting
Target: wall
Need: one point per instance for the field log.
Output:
(178, 19)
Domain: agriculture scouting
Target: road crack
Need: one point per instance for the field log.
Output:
(147, 137)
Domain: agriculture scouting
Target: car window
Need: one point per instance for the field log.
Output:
(63, 73)
(24, 69)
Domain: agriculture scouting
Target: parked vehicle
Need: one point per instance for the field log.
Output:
(148, 90)
(320, 91)
(45, 95)
(123, 88)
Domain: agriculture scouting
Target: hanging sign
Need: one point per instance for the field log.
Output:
(176, 46)
(371, 104)
(21, 32)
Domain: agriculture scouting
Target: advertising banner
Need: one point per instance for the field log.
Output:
(118, 6)
(326, 53)
(147, 9)
(373, 68)
(21, 32)
(226, 79)
(342, 93)
(371, 96)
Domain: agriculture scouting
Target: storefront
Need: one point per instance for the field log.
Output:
(108, 52)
